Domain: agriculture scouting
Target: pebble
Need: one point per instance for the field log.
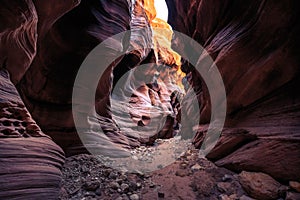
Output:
(84, 169)
(160, 166)
(91, 194)
(295, 185)
(134, 197)
(124, 187)
(223, 186)
(292, 196)
(118, 180)
(152, 185)
(183, 165)
(138, 185)
(92, 185)
(226, 197)
(98, 192)
(133, 186)
(244, 197)
(113, 175)
(181, 173)
(124, 197)
(114, 185)
(196, 167)
(226, 177)
(123, 177)
(161, 195)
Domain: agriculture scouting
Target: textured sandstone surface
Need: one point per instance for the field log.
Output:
(30, 161)
(65, 41)
(254, 45)
(18, 28)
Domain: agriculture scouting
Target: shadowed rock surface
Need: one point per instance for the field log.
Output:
(48, 84)
(30, 161)
(18, 28)
(254, 45)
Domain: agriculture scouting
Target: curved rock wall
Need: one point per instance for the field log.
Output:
(63, 44)
(30, 161)
(254, 45)
(18, 36)
(65, 40)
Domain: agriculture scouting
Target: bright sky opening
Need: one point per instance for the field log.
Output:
(161, 9)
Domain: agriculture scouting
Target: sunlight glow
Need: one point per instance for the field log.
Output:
(161, 9)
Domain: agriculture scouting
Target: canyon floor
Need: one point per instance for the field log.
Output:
(189, 177)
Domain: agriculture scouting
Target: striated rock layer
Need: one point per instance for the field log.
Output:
(18, 36)
(66, 34)
(30, 161)
(254, 45)
(65, 40)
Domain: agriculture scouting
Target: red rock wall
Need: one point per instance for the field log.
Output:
(66, 37)
(254, 45)
(30, 161)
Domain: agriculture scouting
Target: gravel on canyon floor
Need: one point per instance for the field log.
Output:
(189, 177)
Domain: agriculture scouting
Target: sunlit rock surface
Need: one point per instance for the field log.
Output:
(254, 45)
(30, 161)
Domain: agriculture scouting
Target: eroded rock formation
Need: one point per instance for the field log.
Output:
(30, 161)
(254, 45)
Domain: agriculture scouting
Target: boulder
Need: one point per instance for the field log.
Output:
(260, 185)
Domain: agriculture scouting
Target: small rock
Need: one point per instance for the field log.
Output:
(224, 197)
(107, 172)
(183, 165)
(123, 177)
(74, 191)
(260, 185)
(113, 175)
(135, 157)
(114, 185)
(152, 185)
(134, 197)
(226, 177)
(124, 197)
(118, 180)
(244, 197)
(91, 186)
(161, 195)
(182, 154)
(181, 173)
(138, 185)
(119, 198)
(292, 196)
(90, 194)
(124, 187)
(84, 169)
(224, 187)
(98, 192)
(119, 190)
(295, 185)
(196, 167)
(133, 186)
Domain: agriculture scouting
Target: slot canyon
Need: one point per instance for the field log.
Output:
(123, 99)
